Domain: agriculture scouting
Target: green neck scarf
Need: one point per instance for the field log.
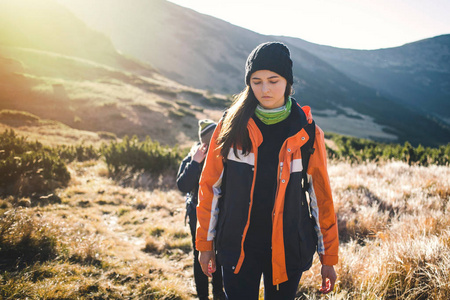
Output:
(276, 115)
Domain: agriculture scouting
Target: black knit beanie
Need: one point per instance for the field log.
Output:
(272, 56)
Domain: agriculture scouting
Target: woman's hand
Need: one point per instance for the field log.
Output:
(200, 153)
(328, 279)
(207, 260)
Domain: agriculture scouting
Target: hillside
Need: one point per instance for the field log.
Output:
(92, 97)
(48, 26)
(182, 44)
(78, 79)
(208, 53)
(416, 74)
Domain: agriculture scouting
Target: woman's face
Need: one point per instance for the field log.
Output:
(269, 88)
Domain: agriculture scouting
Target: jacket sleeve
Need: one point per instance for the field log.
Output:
(208, 195)
(188, 174)
(322, 207)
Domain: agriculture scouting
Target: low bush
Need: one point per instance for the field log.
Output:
(362, 150)
(106, 135)
(29, 168)
(214, 101)
(78, 152)
(133, 155)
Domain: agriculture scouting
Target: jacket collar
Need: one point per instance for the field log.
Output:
(297, 135)
(254, 133)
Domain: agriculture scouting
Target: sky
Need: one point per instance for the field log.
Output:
(355, 24)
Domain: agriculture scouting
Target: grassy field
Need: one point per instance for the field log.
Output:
(126, 239)
(100, 241)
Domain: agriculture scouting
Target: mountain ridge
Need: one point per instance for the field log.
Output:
(416, 73)
(209, 53)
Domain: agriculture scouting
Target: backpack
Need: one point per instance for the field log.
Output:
(309, 233)
(307, 149)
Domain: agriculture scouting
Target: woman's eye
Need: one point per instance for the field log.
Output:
(273, 82)
(256, 83)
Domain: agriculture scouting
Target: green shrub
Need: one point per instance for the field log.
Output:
(359, 150)
(196, 108)
(211, 100)
(78, 152)
(106, 135)
(186, 112)
(29, 168)
(165, 103)
(183, 103)
(162, 90)
(176, 113)
(132, 154)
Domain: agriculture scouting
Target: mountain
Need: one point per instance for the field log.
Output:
(181, 43)
(415, 74)
(68, 76)
(48, 26)
(205, 52)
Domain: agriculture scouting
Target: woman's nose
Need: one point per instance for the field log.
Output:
(265, 88)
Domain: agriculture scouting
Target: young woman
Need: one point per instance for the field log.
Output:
(253, 210)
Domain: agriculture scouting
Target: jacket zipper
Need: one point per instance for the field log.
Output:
(244, 234)
(280, 167)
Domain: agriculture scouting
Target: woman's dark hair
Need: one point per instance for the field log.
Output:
(234, 130)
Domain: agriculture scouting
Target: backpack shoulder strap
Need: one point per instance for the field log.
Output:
(307, 149)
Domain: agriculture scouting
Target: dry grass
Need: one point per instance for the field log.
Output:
(395, 231)
(110, 241)
(99, 233)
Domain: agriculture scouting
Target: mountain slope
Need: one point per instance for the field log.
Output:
(80, 80)
(180, 43)
(415, 74)
(48, 26)
(91, 97)
(206, 52)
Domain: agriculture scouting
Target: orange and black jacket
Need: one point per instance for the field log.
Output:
(226, 198)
